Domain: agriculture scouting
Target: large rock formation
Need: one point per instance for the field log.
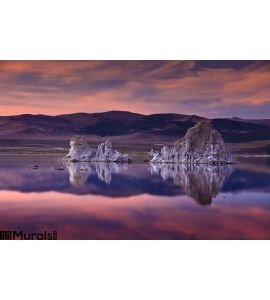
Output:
(81, 152)
(201, 145)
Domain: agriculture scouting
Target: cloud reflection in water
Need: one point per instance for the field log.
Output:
(137, 201)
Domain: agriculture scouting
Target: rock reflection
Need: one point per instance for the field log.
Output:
(79, 172)
(201, 182)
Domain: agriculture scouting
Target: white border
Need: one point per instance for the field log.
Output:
(141, 29)
(124, 29)
(135, 270)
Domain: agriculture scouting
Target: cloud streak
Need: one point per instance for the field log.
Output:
(208, 88)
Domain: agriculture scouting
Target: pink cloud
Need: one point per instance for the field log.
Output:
(55, 87)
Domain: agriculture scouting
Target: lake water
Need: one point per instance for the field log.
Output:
(136, 201)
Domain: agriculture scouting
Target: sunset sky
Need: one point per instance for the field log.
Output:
(206, 88)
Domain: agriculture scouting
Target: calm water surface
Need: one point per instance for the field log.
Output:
(136, 201)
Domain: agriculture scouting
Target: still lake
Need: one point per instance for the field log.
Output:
(135, 201)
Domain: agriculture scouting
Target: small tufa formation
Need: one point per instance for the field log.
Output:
(81, 152)
(105, 153)
(201, 145)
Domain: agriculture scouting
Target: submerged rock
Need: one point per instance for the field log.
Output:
(81, 152)
(202, 144)
(58, 168)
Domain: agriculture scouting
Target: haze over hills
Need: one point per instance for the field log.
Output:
(254, 121)
(117, 123)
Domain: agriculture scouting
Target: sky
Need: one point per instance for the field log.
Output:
(206, 88)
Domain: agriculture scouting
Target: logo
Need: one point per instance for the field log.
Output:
(21, 235)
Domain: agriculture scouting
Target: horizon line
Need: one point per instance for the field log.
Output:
(126, 111)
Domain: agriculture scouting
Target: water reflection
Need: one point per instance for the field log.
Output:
(136, 201)
(80, 172)
(200, 182)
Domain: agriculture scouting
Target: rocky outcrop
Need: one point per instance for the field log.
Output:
(81, 152)
(202, 144)
(202, 183)
(105, 153)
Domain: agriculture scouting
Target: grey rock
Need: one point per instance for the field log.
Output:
(81, 152)
(105, 153)
(202, 144)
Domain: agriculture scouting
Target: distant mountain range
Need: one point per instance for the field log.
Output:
(117, 123)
